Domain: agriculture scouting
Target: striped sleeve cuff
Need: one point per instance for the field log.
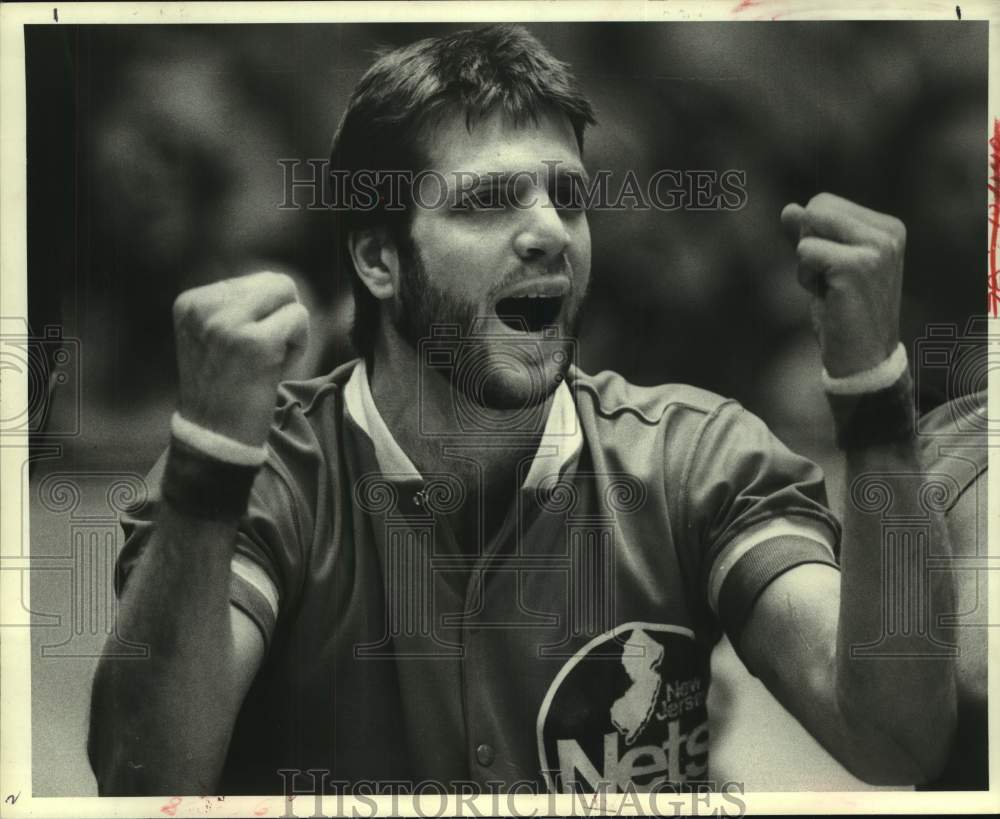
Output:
(748, 563)
(253, 592)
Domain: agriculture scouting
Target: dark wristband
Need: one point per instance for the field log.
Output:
(869, 419)
(204, 487)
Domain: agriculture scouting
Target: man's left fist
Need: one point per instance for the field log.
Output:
(851, 260)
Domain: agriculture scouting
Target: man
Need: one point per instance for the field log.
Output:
(460, 558)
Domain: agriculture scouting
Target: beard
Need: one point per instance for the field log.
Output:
(488, 371)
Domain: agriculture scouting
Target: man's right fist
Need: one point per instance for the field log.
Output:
(235, 341)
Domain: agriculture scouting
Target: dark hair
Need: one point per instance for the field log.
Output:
(410, 89)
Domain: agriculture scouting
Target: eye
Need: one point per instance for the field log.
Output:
(567, 195)
(465, 203)
(492, 198)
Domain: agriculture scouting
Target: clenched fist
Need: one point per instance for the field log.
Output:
(235, 341)
(851, 260)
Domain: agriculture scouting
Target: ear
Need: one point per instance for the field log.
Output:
(376, 259)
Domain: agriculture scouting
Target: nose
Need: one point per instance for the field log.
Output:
(541, 234)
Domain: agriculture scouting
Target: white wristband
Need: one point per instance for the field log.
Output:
(215, 445)
(877, 378)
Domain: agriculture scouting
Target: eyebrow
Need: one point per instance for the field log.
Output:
(572, 171)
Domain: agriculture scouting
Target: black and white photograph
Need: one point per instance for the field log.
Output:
(429, 407)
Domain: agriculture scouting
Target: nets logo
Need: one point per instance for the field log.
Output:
(627, 711)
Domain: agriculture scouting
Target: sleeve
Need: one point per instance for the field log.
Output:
(267, 561)
(755, 509)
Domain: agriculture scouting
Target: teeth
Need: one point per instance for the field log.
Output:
(535, 295)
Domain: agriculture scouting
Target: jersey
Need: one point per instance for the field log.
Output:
(569, 652)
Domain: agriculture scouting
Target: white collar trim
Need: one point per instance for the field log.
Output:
(561, 438)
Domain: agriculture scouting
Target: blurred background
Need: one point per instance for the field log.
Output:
(153, 166)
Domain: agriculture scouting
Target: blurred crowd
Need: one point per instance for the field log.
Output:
(154, 167)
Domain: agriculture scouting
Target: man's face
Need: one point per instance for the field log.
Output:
(506, 261)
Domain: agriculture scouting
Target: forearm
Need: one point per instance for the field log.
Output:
(161, 724)
(880, 689)
(891, 677)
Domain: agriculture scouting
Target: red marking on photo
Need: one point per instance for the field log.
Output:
(994, 188)
(758, 6)
(171, 807)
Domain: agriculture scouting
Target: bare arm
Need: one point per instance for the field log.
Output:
(163, 724)
(886, 711)
(887, 719)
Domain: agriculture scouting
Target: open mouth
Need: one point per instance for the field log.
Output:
(529, 313)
